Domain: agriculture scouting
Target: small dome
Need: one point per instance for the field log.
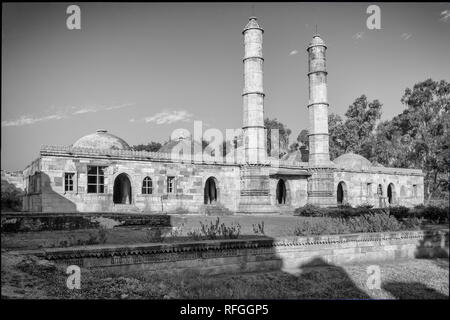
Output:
(101, 139)
(252, 24)
(316, 41)
(352, 161)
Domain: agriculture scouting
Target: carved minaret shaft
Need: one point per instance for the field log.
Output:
(254, 175)
(253, 96)
(320, 183)
(318, 103)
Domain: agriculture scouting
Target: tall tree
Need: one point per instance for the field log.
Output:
(419, 136)
(283, 132)
(355, 133)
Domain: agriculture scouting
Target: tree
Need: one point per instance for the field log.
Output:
(419, 136)
(283, 132)
(355, 133)
(150, 147)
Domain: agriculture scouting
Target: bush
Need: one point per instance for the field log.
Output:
(412, 223)
(259, 228)
(321, 225)
(374, 223)
(379, 222)
(433, 213)
(310, 210)
(400, 212)
(215, 230)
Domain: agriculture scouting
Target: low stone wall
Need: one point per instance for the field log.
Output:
(262, 254)
(24, 222)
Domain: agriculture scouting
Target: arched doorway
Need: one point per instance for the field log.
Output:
(122, 189)
(281, 192)
(341, 193)
(210, 192)
(391, 193)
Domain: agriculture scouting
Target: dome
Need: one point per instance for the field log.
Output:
(317, 41)
(352, 161)
(101, 139)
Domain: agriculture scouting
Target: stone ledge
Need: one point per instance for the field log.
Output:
(102, 251)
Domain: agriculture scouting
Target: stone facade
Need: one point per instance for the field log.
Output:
(100, 172)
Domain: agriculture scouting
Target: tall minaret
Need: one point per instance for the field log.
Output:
(321, 181)
(254, 172)
(318, 103)
(253, 96)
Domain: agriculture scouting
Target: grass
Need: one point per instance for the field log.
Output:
(28, 277)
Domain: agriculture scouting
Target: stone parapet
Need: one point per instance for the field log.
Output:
(258, 254)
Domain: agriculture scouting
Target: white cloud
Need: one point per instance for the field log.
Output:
(167, 117)
(24, 120)
(358, 35)
(406, 36)
(65, 113)
(84, 110)
(445, 15)
(293, 52)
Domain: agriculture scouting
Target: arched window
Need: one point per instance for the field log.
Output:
(281, 192)
(391, 193)
(210, 194)
(147, 186)
(341, 193)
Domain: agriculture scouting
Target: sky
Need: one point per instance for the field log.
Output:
(142, 70)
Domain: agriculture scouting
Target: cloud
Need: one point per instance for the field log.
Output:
(65, 113)
(358, 35)
(84, 110)
(406, 36)
(167, 117)
(445, 15)
(24, 120)
(293, 52)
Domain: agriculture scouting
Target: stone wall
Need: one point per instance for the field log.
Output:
(264, 254)
(187, 196)
(361, 187)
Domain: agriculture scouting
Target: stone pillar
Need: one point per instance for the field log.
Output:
(254, 132)
(321, 182)
(254, 185)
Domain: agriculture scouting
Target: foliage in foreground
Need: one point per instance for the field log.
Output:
(380, 222)
(432, 214)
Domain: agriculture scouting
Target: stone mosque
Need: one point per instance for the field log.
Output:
(101, 173)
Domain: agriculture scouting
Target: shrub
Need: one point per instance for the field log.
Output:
(319, 226)
(214, 230)
(364, 223)
(433, 213)
(345, 205)
(400, 212)
(374, 223)
(412, 223)
(259, 228)
(310, 210)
